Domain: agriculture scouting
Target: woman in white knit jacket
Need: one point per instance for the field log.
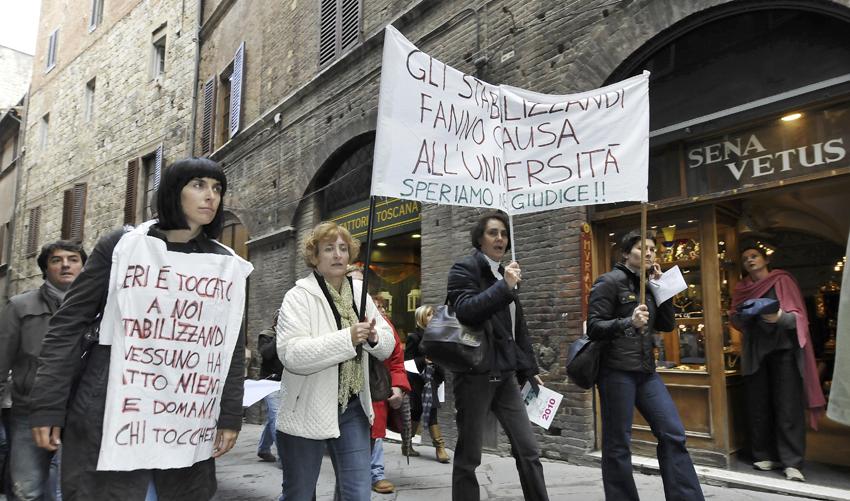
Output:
(324, 391)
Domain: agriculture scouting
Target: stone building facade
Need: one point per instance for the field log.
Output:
(97, 102)
(308, 111)
(285, 95)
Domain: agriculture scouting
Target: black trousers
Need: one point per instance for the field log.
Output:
(474, 394)
(776, 412)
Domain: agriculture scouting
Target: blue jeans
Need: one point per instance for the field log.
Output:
(378, 460)
(34, 471)
(619, 393)
(350, 455)
(267, 438)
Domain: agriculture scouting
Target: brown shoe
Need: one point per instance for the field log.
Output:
(383, 487)
(439, 444)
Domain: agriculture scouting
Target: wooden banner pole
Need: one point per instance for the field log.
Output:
(368, 260)
(642, 253)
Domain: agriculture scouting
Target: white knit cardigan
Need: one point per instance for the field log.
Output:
(311, 348)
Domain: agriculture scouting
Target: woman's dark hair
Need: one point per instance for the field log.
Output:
(174, 178)
(752, 244)
(65, 245)
(756, 246)
(631, 238)
(478, 230)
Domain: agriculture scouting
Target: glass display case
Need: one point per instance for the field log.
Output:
(679, 245)
(682, 349)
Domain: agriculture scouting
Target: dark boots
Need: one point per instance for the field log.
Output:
(410, 452)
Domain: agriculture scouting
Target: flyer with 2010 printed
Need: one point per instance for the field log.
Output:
(541, 407)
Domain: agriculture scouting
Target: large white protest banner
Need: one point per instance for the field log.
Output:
(172, 321)
(439, 133)
(447, 137)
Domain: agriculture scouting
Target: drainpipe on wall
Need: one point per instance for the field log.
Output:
(195, 72)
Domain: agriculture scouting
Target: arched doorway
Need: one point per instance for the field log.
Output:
(745, 98)
(395, 270)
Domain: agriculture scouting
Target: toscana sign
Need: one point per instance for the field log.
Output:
(447, 137)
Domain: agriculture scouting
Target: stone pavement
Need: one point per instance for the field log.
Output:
(241, 476)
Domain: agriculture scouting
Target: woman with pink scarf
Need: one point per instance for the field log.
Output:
(778, 364)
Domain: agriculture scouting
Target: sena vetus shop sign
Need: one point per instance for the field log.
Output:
(815, 142)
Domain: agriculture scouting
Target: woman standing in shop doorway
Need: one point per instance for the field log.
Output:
(778, 364)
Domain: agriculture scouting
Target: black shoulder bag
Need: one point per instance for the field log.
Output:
(453, 345)
(583, 361)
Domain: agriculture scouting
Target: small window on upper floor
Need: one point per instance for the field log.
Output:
(96, 14)
(339, 28)
(224, 94)
(158, 53)
(52, 45)
(88, 112)
(44, 130)
(143, 176)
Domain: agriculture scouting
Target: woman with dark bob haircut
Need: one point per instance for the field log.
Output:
(96, 465)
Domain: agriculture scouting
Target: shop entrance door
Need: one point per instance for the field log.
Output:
(700, 360)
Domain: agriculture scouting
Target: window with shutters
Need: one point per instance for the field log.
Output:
(231, 82)
(149, 185)
(88, 112)
(236, 90)
(235, 236)
(208, 117)
(131, 193)
(339, 28)
(33, 229)
(74, 212)
(52, 45)
(96, 14)
(143, 176)
(222, 128)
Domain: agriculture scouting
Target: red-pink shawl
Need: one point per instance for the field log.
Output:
(790, 300)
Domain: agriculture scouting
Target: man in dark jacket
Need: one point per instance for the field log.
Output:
(23, 324)
(627, 377)
(485, 294)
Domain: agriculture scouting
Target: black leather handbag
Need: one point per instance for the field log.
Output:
(453, 345)
(583, 361)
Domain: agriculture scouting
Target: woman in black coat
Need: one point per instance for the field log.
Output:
(485, 294)
(430, 375)
(190, 209)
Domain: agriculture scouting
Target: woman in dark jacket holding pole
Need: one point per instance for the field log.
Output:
(485, 294)
(190, 211)
(627, 377)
